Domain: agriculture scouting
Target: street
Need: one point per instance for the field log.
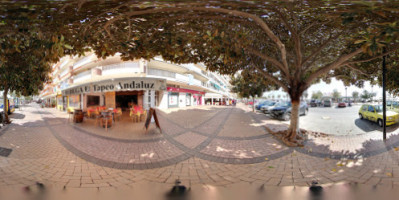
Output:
(339, 121)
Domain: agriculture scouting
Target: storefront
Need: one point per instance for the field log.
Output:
(214, 99)
(197, 99)
(123, 93)
(59, 102)
(127, 99)
(180, 97)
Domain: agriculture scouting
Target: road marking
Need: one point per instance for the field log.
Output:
(326, 117)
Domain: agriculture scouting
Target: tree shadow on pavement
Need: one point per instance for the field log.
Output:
(369, 126)
(17, 116)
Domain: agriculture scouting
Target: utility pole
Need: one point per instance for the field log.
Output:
(384, 100)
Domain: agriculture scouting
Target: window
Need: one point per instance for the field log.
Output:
(364, 108)
(371, 109)
(74, 101)
(59, 100)
(93, 100)
(173, 99)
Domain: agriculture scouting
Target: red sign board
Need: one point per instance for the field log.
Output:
(172, 89)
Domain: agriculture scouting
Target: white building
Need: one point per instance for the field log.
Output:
(82, 82)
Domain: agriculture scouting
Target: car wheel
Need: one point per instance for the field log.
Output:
(287, 116)
(380, 122)
(361, 116)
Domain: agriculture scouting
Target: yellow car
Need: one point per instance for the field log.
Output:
(374, 113)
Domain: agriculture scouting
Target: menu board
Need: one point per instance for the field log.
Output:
(152, 113)
(110, 99)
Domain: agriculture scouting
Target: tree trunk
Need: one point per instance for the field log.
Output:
(253, 104)
(291, 138)
(5, 106)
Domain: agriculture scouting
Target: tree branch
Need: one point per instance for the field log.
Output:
(104, 13)
(307, 28)
(338, 63)
(267, 58)
(375, 57)
(255, 18)
(321, 47)
(356, 69)
(272, 78)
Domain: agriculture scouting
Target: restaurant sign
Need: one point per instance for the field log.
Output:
(125, 84)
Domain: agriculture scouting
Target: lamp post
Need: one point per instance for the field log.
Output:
(384, 99)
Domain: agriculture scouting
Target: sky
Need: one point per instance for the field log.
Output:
(327, 89)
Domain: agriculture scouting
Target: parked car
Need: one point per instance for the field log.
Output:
(283, 110)
(394, 106)
(374, 113)
(314, 103)
(327, 103)
(267, 107)
(341, 104)
(260, 104)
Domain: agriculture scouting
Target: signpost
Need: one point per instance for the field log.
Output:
(152, 113)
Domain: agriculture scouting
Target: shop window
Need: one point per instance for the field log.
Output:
(173, 99)
(74, 101)
(59, 100)
(93, 101)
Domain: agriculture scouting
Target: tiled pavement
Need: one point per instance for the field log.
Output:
(218, 146)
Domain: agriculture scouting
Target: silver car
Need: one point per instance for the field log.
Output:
(267, 107)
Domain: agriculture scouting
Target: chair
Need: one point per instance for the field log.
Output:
(97, 116)
(144, 115)
(134, 115)
(118, 113)
(70, 113)
(106, 121)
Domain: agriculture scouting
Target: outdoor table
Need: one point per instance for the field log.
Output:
(107, 113)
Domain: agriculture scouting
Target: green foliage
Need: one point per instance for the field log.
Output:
(317, 95)
(366, 95)
(355, 95)
(249, 85)
(336, 94)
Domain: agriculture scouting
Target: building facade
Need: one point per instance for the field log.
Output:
(82, 82)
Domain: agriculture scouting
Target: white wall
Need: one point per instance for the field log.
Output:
(163, 100)
(182, 100)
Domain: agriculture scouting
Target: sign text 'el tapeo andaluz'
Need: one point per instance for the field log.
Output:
(118, 85)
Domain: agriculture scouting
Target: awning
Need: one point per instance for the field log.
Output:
(173, 89)
(213, 95)
(117, 84)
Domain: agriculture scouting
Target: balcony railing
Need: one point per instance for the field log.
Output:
(82, 77)
(181, 77)
(63, 73)
(163, 73)
(82, 62)
(121, 68)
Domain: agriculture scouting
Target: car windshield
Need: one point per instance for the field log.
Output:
(284, 104)
(378, 108)
(270, 103)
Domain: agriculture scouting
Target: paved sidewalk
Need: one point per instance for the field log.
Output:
(218, 146)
